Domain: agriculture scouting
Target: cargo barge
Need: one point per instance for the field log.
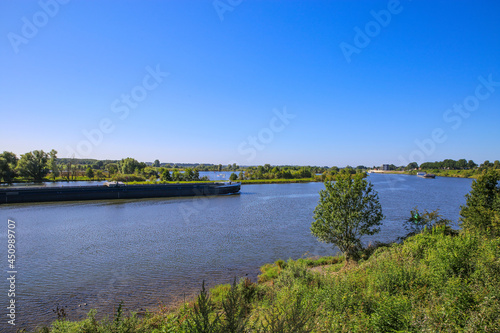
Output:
(113, 190)
(426, 175)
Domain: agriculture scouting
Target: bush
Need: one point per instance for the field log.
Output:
(128, 178)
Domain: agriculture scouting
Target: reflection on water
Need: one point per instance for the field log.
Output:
(148, 251)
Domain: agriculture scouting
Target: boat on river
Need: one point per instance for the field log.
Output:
(114, 190)
(426, 175)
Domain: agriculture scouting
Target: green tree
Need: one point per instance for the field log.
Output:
(419, 221)
(33, 165)
(482, 209)
(188, 174)
(412, 165)
(233, 177)
(89, 173)
(177, 176)
(129, 165)
(8, 163)
(348, 209)
(165, 175)
(156, 163)
(112, 168)
(471, 164)
(150, 173)
(54, 168)
(461, 163)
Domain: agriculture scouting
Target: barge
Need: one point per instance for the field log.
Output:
(426, 175)
(113, 190)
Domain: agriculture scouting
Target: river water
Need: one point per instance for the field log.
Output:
(94, 254)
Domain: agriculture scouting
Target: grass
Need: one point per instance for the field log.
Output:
(449, 173)
(432, 282)
(278, 181)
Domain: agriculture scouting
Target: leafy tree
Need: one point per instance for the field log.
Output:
(156, 163)
(89, 173)
(471, 164)
(54, 168)
(165, 175)
(419, 221)
(33, 165)
(348, 209)
(177, 176)
(189, 174)
(482, 209)
(461, 163)
(129, 165)
(233, 177)
(112, 168)
(412, 165)
(8, 163)
(150, 173)
(305, 172)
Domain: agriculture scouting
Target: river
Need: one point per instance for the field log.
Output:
(83, 255)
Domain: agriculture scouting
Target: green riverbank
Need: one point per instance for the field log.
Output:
(434, 281)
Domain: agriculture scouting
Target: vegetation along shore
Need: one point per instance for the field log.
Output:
(39, 166)
(434, 279)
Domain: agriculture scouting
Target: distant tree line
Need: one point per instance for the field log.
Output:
(449, 164)
(39, 165)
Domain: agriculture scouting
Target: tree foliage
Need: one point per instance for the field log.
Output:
(54, 168)
(348, 209)
(33, 165)
(130, 165)
(417, 221)
(89, 173)
(165, 175)
(8, 162)
(482, 209)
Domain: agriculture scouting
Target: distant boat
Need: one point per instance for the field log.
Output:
(426, 175)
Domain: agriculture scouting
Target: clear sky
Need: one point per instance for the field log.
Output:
(252, 82)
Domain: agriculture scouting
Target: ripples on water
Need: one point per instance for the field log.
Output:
(144, 252)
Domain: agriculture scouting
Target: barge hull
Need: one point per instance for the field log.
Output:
(76, 193)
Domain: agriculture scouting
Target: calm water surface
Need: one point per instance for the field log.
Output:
(85, 255)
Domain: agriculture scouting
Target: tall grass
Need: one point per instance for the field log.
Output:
(432, 282)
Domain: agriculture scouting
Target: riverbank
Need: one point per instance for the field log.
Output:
(165, 248)
(440, 173)
(449, 173)
(433, 281)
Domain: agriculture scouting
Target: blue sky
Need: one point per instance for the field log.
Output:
(252, 82)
